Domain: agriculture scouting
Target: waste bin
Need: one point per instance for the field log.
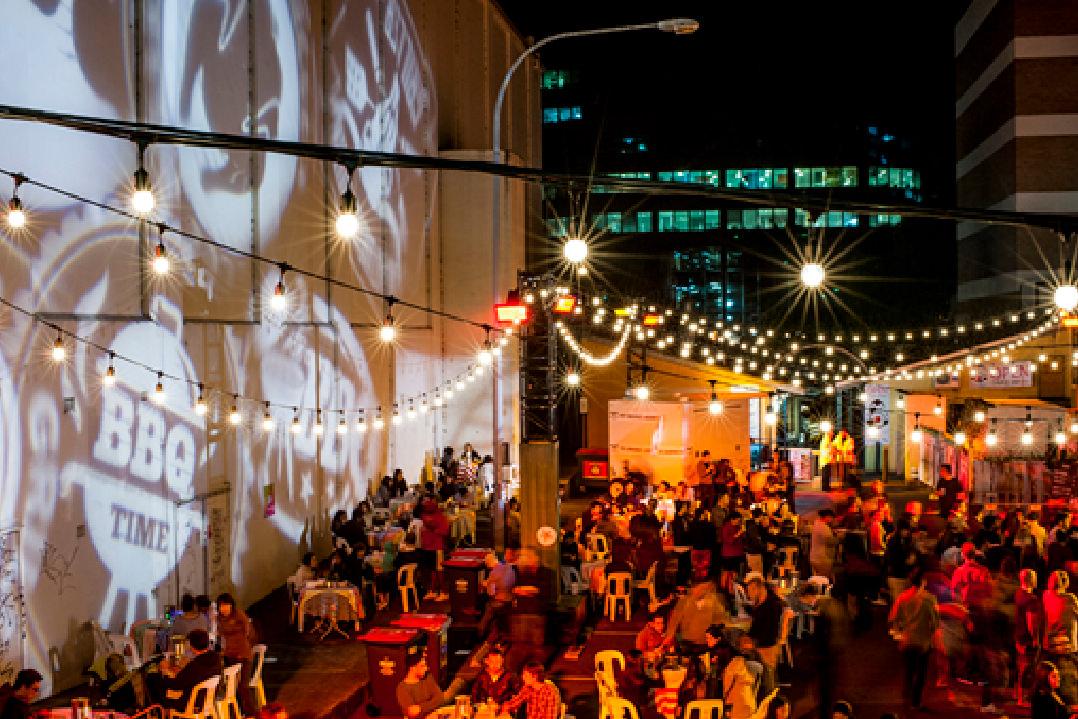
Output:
(388, 650)
(473, 553)
(436, 629)
(462, 578)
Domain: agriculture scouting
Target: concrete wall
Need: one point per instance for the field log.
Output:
(111, 506)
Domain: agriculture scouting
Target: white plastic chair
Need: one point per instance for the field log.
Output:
(807, 618)
(200, 705)
(572, 581)
(647, 584)
(619, 590)
(604, 665)
(622, 709)
(703, 709)
(741, 600)
(787, 563)
(228, 707)
(406, 584)
(258, 658)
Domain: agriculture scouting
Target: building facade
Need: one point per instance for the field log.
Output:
(114, 505)
(1016, 110)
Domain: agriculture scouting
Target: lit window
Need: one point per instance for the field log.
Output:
(563, 114)
(712, 220)
(666, 221)
(643, 221)
(550, 114)
(613, 221)
(577, 115)
(665, 176)
(681, 220)
(696, 220)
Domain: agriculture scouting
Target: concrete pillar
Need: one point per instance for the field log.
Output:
(539, 503)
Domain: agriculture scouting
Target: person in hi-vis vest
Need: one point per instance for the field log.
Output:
(842, 454)
(826, 458)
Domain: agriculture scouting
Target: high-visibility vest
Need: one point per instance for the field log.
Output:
(826, 450)
(843, 448)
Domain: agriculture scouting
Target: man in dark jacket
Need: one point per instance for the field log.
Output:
(204, 663)
(25, 689)
(766, 628)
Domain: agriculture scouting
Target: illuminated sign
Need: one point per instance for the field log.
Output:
(511, 313)
(564, 304)
(650, 320)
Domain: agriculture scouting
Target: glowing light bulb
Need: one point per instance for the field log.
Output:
(642, 393)
(279, 300)
(479, 370)
(423, 406)
(201, 408)
(1027, 437)
(991, 439)
(388, 331)
(234, 416)
(59, 351)
(573, 378)
(575, 250)
(1074, 427)
(460, 385)
(715, 407)
(1061, 436)
(396, 418)
(812, 275)
(916, 435)
(378, 423)
(159, 395)
(16, 215)
(770, 418)
(142, 199)
(411, 413)
(361, 423)
(160, 259)
(1066, 297)
(938, 409)
(347, 223)
(826, 426)
(109, 378)
(267, 420)
(978, 416)
(297, 427)
(342, 426)
(319, 429)
(485, 357)
(960, 437)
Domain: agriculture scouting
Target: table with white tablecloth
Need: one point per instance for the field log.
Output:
(323, 601)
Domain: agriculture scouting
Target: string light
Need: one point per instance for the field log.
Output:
(586, 356)
(16, 215)
(916, 435)
(938, 409)
(142, 199)
(959, 438)
(267, 419)
(59, 350)
(160, 254)
(411, 414)
(826, 426)
(1061, 436)
(388, 331)
(396, 417)
(342, 426)
(201, 408)
(361, 423)
(234, 416)
(279, 299)
(319, 429)
(572, 378)
(812, 275)
(992, 439)
(378, 423)
(1027, 429)
(485, 357)
(159, 395)
(978, 416)
(109, 378)
(297, 427)
(423, 406)
(347, 223)
(642, 393)
(1066, 297)
(900, 401)
(575, 250)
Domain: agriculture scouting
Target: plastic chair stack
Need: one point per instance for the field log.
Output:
(619, 591)
(258, 658)
(406, 584)
(228, 707)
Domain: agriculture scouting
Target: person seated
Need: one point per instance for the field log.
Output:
(307, 571)
(740, 680)
(495, 683)
(652, 640)
(694, 613)
(177, 683)
(190, 618)
(16, 699)
(541, 696)
(419, 695)
(534, 587)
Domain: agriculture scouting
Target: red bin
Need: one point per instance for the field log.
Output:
(388, 651)
(462, 579)
(436, 629)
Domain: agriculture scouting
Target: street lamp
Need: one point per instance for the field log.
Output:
(677, 26)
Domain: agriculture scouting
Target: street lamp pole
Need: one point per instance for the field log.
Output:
(678, 26)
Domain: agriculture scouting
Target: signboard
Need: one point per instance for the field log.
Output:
(878, 412)
(950, 381)
(996, 375)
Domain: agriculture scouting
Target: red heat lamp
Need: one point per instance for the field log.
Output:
(564, 304)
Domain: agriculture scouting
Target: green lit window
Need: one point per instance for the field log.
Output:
(825, 176)
(883, 220)
(696, 220)
(613, 221)
(550, 114)
(643, 221)
(802, 177)
(556, 79)
(666, 221)
(756, 178)
(712, 221)
(681, 220)
(576, 114)
(557, 226)
(901, 177)
(665, 176)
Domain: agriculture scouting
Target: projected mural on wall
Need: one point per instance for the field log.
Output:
(122, 504)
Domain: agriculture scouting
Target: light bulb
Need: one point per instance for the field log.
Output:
(348, 215)
(396, 418)
(642, 393)
(915, 436)
(448, 391)
(423, 406)
(201, 407)
(160, 259)
(267, 420)
(1066, 297)
(1027, 437)
(388, 331)
(1061, 436)
(992, 439)
(959, 437)
(159, 390)
(279, 300)
(109, 378)
(234, 416)
(826, 426)
(575, 250)
(378, 423)
(937, 410)
(485, 357)
(16, 215)
(861, 397)
(318, 427)
(978, 416)
(770, 418)
(361, 423)
(142, 200)
(342, 426)
(460, 386)
(470, 377)
(715, 407)
(573, 378)
(411, 414)
(1074, 427)
(59, 351)
(812, 275)
(297, 427)
(437, 400)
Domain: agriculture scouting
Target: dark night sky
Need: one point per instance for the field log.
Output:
(782, 68)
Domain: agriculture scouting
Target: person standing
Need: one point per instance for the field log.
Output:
(914, 620)
(1028, 622)
(1060, 639)
(823, 545)
(827, 455)
(949, 489)
(236, 635)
